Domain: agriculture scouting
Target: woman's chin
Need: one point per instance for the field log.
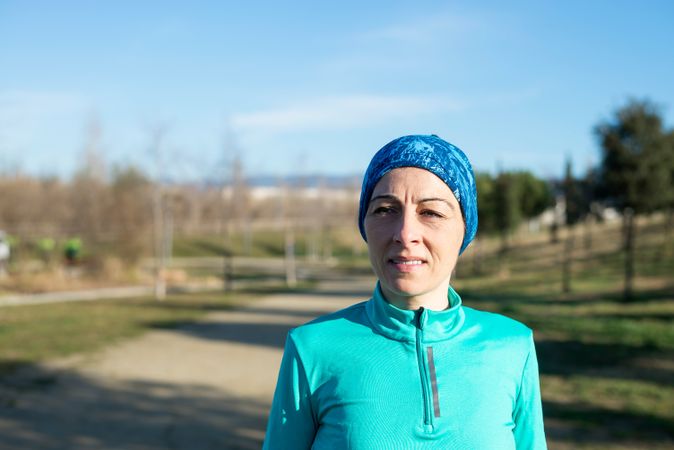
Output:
(403, 289)
(410, 288)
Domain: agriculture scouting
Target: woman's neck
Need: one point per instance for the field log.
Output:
(435, 300)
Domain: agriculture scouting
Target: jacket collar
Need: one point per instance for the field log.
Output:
(402, 324)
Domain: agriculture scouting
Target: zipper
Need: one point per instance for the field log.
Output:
(423, 373)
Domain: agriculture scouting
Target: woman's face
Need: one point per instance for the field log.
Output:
(414, 230)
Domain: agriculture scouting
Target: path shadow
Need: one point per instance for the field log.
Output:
(662, 317)
(76, 412)
(641, 296)
(303, 315)
(251, 333)
(265, 332)
(11, 365)
(568, 358)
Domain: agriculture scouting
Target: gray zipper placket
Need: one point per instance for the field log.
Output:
(426, 388)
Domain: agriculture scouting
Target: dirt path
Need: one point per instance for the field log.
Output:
(205, 386)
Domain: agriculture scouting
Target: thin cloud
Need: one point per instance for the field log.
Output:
(343, 113)
(39, 103)
(400, 45)
(426, 29)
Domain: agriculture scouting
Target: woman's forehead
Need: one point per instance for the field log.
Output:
(412, 181)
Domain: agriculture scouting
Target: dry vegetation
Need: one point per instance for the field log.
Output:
(123, 220)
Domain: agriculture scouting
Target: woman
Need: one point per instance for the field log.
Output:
(411, 367)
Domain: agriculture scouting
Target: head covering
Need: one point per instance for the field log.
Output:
(437, 156)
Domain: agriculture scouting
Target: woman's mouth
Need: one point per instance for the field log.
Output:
(406, 264)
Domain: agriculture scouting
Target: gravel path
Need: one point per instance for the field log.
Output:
(204, 386)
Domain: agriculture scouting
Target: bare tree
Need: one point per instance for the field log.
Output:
(159, 212)
(234, 205)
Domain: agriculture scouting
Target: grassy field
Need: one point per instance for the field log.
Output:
(607, 365)
(338, 242)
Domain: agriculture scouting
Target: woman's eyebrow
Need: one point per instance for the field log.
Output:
(391, 197)
(437, 199)
(384, 197)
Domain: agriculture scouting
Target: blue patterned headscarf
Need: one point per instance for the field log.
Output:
(439, 157)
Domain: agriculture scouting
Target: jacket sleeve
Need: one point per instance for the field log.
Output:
(292, 423)
(528, 414)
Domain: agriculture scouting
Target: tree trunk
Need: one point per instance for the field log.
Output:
(554, 232)
(167, 244)
(327, 244)
(290, 266)
(314, 243)
(588, 234)
(505, 245)
(630, 231)
(227, 271)
(247, 229)
(502, 260)
(228, 266)
(159, 244)
(665, 248)
(566, 263)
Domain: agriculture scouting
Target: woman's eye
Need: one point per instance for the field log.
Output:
(430, 213)
(380, 210)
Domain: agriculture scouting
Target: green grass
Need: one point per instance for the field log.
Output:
(264, 243)
(607, 365)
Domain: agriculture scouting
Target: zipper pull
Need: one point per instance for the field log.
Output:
(420, 318)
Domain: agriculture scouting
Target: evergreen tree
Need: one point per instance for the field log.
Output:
(634, 175)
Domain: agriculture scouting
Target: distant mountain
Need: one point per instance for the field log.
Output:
(315, 180)
(331, 181)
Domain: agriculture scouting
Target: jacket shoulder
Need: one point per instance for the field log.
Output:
(332, 325)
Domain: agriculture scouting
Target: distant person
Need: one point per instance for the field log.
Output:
(72, 251)
(5, 253)
(46, 247)
(411, 368)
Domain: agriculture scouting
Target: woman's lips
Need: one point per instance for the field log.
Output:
(407, 265)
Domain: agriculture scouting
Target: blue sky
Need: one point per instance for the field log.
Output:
(318, 87)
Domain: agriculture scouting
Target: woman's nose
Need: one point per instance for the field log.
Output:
(408, 229)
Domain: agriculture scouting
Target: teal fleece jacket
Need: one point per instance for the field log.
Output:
(373, 376)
